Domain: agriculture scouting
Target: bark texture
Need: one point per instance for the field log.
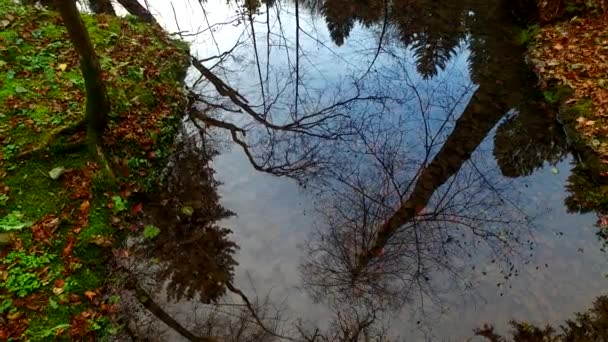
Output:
(98, 106)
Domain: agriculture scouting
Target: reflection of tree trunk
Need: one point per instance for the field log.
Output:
(480, 116)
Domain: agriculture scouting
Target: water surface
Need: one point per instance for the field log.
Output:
(426, 181)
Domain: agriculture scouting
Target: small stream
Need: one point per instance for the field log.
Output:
(421, 124)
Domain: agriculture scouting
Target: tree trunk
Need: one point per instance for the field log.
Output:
(97, 107)
(480, 116)
(136, 9)
(102, 6)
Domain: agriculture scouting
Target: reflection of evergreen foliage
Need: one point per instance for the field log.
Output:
(525, 141)
(433, 29)
(196, 255)
(433, 53)
(585, 193)
(591, 325)
(341, 16)
(339, 29)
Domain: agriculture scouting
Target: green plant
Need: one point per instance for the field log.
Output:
(13, 221)
(22, 278)
(6, 305)
(9, 151)
(135, 162)
(526, 36)
(3, 200)
(150, 232)
(554, 96)
(120, 204)
(48, 333)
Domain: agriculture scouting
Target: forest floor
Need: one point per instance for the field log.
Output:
(60, 212)
(571, 60)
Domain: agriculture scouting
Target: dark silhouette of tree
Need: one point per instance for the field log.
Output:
(136, 9)
(196, 255)
(528, 139)
(591, 325)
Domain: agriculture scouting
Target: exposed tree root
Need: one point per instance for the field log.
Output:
(52, 138)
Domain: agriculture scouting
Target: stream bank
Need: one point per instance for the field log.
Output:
(60, 212)
(569, 55)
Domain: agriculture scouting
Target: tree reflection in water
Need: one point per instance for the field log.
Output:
(404, 197)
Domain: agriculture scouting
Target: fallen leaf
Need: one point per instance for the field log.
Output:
(69, 247)
(101, 240)
(137, 208)
(62, 66)
(56, 172)
(90, 295)
(84, 206)
(188, 211)
(74, 298)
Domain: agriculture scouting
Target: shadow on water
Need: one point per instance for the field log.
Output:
(414, 164)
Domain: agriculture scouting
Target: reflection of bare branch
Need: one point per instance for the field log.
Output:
(148, 302)
(254, 313)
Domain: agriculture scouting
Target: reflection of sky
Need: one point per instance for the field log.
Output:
(275, 215)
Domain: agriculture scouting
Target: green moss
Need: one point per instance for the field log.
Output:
(33, 192)
(40, 79)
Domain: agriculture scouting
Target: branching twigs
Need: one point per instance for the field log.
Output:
(254, 313)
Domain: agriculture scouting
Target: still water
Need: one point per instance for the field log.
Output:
(404, 166)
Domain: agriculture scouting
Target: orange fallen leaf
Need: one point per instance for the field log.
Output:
(90, 295)
(85, 206)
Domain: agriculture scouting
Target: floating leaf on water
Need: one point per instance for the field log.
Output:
(55, 173)
(188, 211)
(554, 170)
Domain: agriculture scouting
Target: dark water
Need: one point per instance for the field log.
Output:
(430, 184)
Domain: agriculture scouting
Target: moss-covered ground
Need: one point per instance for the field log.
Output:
(571, 59)
(60, 212)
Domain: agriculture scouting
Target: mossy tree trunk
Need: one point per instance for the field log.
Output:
(98, 106)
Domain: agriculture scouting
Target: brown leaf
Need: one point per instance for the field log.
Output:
(90, 295)
(74, 298)
(137, 208)
(102, 240)
(84, 206)
(69, 247)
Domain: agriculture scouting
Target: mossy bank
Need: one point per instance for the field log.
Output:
(60, 212)
(570, 57)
